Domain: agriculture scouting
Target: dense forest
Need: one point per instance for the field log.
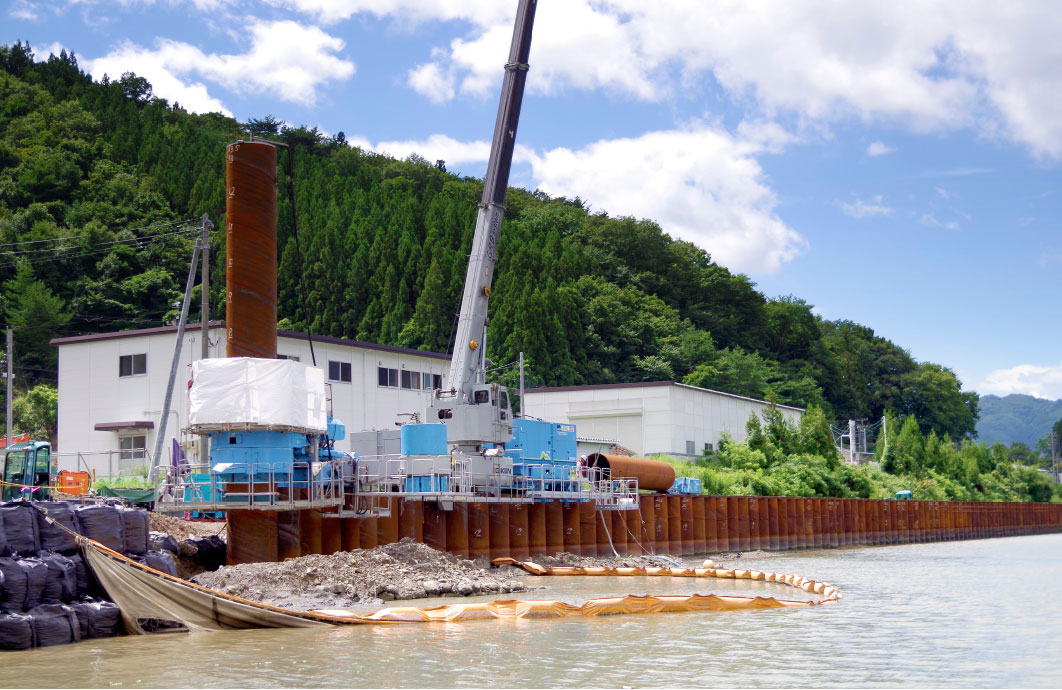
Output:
(101, 186)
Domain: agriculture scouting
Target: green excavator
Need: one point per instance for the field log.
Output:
(28, 471)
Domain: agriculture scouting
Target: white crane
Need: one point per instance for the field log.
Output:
(476, 413)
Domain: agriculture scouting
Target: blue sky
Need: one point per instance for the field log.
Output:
(894, 165)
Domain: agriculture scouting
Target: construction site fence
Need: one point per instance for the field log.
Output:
(662, 524)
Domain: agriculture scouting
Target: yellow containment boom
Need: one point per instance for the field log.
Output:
(143, 593)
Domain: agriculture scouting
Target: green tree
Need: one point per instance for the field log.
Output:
(36, 316)
(35, 412)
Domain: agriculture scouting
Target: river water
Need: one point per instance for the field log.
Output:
(981, 613)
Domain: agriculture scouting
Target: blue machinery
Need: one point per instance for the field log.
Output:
(276, 469)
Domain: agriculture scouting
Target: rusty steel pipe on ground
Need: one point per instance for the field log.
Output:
(652, 475)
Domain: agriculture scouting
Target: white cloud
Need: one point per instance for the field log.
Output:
(23, 9)
(433, 81)
(285, 59)
(943, 193)
(930, 221)
(437, 147)
(486, 12)
(863, 209)
(878, 148)
(1030, 379)
(982, 65)
(44, 52)
(701, 184)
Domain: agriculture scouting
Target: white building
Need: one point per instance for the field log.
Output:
(648, 418)
(112, 387)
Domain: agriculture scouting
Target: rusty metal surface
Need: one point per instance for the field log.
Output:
(519, 531)
(457, 530)
(499, 529)
(478, 530)
(434, 526)
(652, 475)
(554, 527)
(572, 528)
(251, 250)
(351, 533)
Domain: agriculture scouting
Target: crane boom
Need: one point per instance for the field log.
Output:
(466, 368)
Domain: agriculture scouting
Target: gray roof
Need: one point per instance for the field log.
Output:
(90, 337)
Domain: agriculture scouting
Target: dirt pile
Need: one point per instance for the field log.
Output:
(184, 529)
(403, 570)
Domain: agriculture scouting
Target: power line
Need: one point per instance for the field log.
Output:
(74, 237)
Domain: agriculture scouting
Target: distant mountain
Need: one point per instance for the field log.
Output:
(1016, 418)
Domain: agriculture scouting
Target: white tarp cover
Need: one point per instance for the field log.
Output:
(257, 392)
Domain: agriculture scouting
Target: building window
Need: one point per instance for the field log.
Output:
(387, 378)
(132, 447)
(708, 447)
(436, 381)
(339, 371)
(291, 357)
(426, 382)
(690, 447)
(411, 380)
(132, 365)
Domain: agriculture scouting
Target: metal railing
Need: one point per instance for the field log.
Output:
(125, 461)
(251, 485)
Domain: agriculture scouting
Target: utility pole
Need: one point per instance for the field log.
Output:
(160, 436)
(204, 331)
(10, 378)
(1055, 450)
(851, 442)
(523, 412)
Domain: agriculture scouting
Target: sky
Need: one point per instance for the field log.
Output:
(893, 164)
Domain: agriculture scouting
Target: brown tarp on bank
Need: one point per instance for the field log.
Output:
(143, 593)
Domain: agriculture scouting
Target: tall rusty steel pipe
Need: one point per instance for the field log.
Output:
(251, 250)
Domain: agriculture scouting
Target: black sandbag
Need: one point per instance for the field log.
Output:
(20, 528)
(160, 560)
(97, 618)
(24, 582)
(134, 530)
(83, 582)
(37, 579)
(13, 595)
(5, 550)
(53, 537)
(206, 552)
(103, 524)
(55, 624)
(61, 583)
(16, 631)
(161, 541)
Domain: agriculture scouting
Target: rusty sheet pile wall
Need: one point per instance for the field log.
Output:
(662, 524)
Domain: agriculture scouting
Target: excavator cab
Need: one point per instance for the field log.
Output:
(27, 466)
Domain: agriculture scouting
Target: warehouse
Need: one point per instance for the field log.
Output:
(649, 418)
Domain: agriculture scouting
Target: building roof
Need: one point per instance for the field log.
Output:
(90, 337)
(652, 384)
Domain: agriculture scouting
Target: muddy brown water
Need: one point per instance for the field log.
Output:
(982, 613)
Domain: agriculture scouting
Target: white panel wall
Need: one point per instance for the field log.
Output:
(91, 392)
(651, 419)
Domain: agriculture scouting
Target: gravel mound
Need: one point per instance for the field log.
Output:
(403, 570)
(184, 529)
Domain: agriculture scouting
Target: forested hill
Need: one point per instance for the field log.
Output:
(1017, 419)
(96, 177)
